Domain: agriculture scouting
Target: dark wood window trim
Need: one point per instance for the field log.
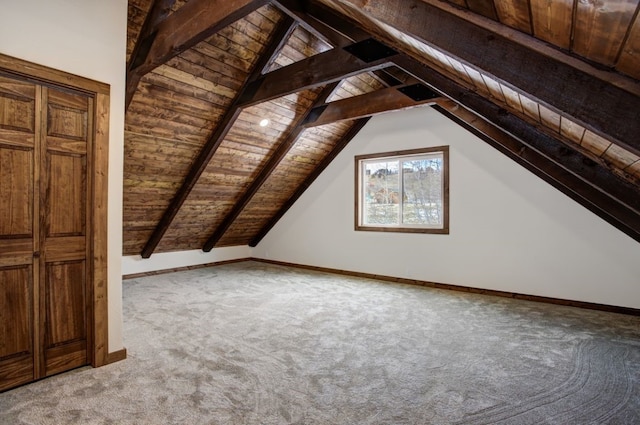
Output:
(400, 228)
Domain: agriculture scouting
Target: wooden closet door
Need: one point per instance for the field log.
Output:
(18, 230)
(45, 176)
(64, 205)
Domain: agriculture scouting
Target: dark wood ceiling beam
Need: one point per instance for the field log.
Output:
(617, 213)
(367, 105)
(589, 183)
(282, 32)
(267, 170)
(323, 23)
(342, 143)
(603, 101)
(158, 12)
(192, 23)
(324, 68)
(298, 10)
(335, 21)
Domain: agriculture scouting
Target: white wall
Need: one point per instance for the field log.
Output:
(510, 231)
(86, 38)
(169, 260)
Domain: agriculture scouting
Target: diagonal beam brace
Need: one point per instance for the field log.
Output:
(324, 68)
(267, 170)
(157, 13)
(585, 181)
(281, 34)
(367, 105)
(342, 143)
(321, 22)
(192, 23)
(603, 101)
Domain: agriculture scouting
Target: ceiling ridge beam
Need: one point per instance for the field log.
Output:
(589, 183)
(370, 104)
(602, 101)
(283, 30)
(275, 159)
(324, 68)
(192, 23)
(342, 143)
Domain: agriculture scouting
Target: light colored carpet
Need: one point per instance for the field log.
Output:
(251, 343)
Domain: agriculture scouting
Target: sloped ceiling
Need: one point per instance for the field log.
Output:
(553, 85)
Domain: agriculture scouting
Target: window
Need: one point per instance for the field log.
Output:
(406, 191)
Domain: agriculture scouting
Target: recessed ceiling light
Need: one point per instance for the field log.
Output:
(264, 123)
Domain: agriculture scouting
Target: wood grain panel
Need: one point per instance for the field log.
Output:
(495, 89)
(65, 303)
(571, 130)
(16, 192)
(65, 145)
(551, 20)
(17, 138)
(600, 28)
(66, 203)
(620, 158)
(16, 252)
(530, 107)
(17, 113)
(514, 13)
(66, 357)
(595, 143)
(67, 122)
(16, 315)
(16, 325)
(16, 371)
(629, 61)
(478, 81)
(550, 119)
(17, 88)
(483, 7)
(65, 248)
(512, 98)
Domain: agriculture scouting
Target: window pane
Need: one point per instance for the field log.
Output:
(381, 188)
(422, 197)
(403, 191)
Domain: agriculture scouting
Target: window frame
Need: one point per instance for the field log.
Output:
(399, 155)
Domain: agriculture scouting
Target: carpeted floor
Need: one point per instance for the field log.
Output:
(251, 343)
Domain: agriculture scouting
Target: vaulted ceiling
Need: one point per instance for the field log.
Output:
(553, 84)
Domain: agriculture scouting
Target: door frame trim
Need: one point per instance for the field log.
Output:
(40, 74)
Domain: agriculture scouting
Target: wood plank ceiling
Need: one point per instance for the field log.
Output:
(552, 84)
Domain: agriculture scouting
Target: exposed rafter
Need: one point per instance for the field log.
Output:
(282, 32)
(532, 114)
(324, 68)
(353, 131)
(594, 186)
(626, 217)
(157, 13)
(602, 101)
(374, 103)
(192, 23)
(268, 169)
